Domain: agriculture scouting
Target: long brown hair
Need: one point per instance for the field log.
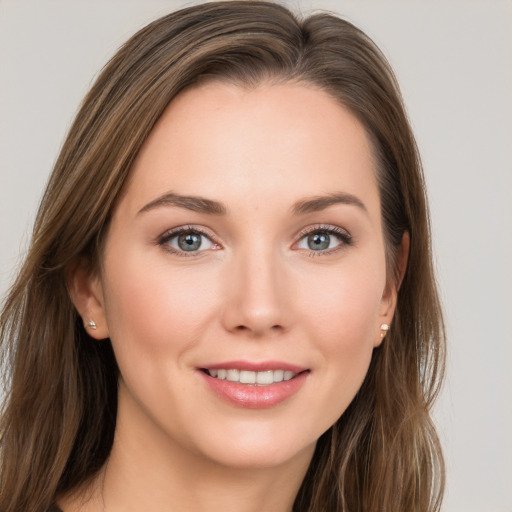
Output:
(59, 417)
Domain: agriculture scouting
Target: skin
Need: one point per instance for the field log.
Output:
(257, 292)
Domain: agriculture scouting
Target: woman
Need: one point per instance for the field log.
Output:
(229, 301)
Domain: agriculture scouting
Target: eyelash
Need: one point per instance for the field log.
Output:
(343, 236)
(164, 240)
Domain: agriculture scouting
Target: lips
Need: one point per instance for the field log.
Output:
(254, 385)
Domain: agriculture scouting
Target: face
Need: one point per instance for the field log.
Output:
(243, 281)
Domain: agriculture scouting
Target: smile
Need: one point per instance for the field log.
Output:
(254, 385)
(260, 378)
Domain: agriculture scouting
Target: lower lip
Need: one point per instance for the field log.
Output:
(255, 397)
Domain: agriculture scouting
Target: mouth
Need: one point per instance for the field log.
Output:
(249, 377)
(254, 385)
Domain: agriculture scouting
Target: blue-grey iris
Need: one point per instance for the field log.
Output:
(189, 241)
(319, 241)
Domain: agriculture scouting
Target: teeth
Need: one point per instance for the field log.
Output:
(264, 378)
(233, 375)
(288, 375)
(278, 375)
(247, 377)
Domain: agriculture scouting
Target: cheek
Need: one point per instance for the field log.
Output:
(343, 306)
(156, 308)
(342, 313)
(341, 320)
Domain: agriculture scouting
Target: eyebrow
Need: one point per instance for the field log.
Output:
(193, 203)
(211, 207)
(319, 203)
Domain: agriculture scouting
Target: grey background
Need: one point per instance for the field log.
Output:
(454, 62)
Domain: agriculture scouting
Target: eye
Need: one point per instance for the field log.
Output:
(187, 240)
(323, 239)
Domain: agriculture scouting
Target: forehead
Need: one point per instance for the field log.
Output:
(227, 142)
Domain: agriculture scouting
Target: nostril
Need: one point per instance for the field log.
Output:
(245, 328)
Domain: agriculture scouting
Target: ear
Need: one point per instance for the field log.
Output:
(86, 292)
(390, 295)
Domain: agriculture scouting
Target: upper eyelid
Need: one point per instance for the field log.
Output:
(323, 227)
(172, 232)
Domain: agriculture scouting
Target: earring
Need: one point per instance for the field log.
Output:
(384, 328)
(91, 324)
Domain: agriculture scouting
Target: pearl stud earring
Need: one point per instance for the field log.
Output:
(384, 328)
(91, 324)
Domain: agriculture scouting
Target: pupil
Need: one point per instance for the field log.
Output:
(189, 242)
(318, 241)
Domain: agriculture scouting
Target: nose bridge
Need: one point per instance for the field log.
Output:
(255, 295)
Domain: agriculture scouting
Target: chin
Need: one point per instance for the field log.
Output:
(257, 447)
(255, 459)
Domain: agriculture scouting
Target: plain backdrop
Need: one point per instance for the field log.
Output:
(454, 62)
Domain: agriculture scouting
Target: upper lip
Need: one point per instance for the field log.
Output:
(255, 366)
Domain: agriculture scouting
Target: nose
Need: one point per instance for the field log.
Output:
(255, 295)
